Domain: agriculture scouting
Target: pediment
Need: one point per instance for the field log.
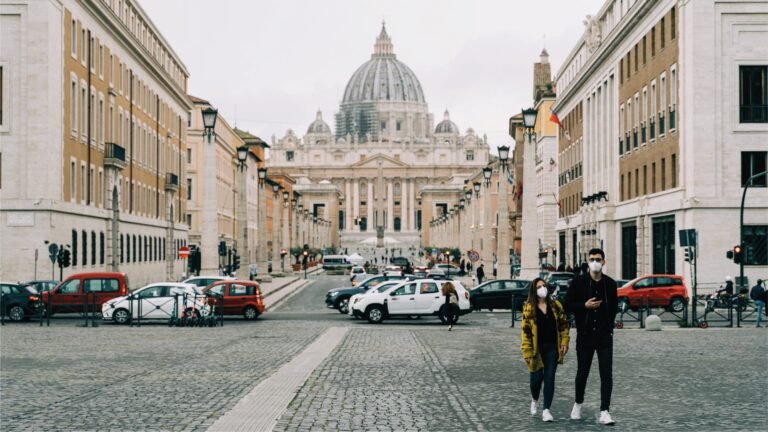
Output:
(379, 159)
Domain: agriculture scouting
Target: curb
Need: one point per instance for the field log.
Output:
(302, 283)
(280, 288)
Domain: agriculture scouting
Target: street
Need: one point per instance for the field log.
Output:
(401, 375)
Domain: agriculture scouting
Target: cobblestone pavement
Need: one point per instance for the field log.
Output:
(401, 375)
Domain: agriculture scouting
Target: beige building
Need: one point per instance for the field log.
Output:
(384, 152)
(93, 132)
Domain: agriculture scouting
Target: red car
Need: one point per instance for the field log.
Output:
(69, 295)
(240, 298)
(667, 291)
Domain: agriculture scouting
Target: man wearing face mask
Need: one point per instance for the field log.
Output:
(592, 300)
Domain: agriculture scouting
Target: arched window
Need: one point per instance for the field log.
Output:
(101, 249)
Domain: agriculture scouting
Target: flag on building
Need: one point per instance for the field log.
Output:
(554, 118)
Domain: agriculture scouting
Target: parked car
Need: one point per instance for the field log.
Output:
(204, 281)
(449, 269)
(70, 295)
(337, 264)
(359, 278)
(19, 302)
(42, 285)
(391, 270)
(436, 273)
(401, 262)
(420, 272)
(660, 290)
(558, 282)
(383, 286)
(357, 270)
(498, 294)
(239, 298)
(408, 299)
(156, 301)
(338, 298)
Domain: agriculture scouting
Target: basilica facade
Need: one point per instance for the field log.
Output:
(384, 152)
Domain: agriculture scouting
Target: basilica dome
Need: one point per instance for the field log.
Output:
(447, 126)
(383, 77)
(319, 126)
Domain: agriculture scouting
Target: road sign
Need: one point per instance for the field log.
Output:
(474, 256)
(183, 252)
(687, 237)
(53, 250)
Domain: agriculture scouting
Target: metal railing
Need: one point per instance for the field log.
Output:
(114, 151)
(171, 179)
(753, 114)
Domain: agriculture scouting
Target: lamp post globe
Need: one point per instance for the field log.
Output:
(503, 154)
(262, 173)
(468, 195)
(487, 172)
(529, 117)
(242, 153)
(209, 118)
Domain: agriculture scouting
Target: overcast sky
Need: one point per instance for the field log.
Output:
(269, 65)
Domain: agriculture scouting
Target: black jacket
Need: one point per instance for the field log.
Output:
(480, 272)
(578, 294)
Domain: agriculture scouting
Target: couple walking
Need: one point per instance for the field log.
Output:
(592, 299)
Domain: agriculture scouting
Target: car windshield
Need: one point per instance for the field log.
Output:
(383, 287)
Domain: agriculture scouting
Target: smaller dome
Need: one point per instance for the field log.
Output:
(319, 126)
(324, 182)
(446, 126)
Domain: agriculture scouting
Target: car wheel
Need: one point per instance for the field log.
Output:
(121, 316)
(16, 313)
(375, 314)
(343, 305)
(677, 305)
(623, 305)
(250, 313)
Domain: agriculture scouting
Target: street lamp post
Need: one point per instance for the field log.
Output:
(502, 253)
(487, 250)
(242, 208)
(275, 225)
(530, 248)
(285, 241)
(261, 249)
(209, 223)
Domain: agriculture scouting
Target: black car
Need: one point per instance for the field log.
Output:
(18, 301)
(42, 285)
(338, 298)
(498, 294)
(559, 282)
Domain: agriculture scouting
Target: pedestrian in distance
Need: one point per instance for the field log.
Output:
(480, 273)
(592, 299)
(545, 339)
(451, 304)
(758, 296)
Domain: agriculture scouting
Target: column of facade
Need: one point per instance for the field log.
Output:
(369, 205)
(412, 204)
(286, 240)
(275, 231)
(487, 244)
(502, 236)
(390, 206)
(404, 219)
(209, 259)
(356, 201)
(348, 216)
(261, 247)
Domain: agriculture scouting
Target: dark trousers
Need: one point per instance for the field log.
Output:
(451, 313)
(546, 375)
(586, 346)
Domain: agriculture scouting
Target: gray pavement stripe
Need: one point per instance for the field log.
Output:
(285, 294)
(260, 409)
(456, 398)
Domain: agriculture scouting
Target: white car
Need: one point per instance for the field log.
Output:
(380, 288)
(410, 298)
(204, 281)
(156, 301)
(357, 270)
(393, 271)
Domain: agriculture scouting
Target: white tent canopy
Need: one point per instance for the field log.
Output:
(387, 240)
(356, 259)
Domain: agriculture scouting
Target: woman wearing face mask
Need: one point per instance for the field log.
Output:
(544, 343)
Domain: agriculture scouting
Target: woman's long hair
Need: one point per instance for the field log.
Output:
(448, 288)
(533, 298)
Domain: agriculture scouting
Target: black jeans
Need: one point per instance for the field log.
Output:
(546, 375)
(451, 313)
(586, 346)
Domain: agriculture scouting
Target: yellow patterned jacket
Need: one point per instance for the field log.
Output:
(530, 334)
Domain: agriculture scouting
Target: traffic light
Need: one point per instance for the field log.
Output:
(729, 254)
(64, 258)
(222, 248)
(688, 257)
(738, 254)
(235, 261)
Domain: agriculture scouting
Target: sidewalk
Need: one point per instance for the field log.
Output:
(278, 283)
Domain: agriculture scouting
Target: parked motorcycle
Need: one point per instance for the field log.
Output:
(721, 299)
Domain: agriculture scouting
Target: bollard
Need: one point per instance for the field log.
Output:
(514, 311)
(47, 307)
(653, 323)
(130, 309)
(85, 310)
(2, 308)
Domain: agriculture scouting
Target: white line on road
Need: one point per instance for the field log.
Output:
(260, 409)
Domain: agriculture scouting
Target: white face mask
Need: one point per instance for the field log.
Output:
(595, 267)
(542, 292)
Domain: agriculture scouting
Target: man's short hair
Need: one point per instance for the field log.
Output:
(597, 251)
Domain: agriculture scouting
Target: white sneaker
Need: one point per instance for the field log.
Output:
(576, 412)
(534, 406)
(605, 418)
(547, 416)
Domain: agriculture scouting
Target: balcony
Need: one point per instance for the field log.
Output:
(171, 182)
(753, 114)
(661, 124)
(114, 156)
(634, 139)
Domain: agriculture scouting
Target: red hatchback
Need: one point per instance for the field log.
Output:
(667, 291)
(71, 295)
(240, 298)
